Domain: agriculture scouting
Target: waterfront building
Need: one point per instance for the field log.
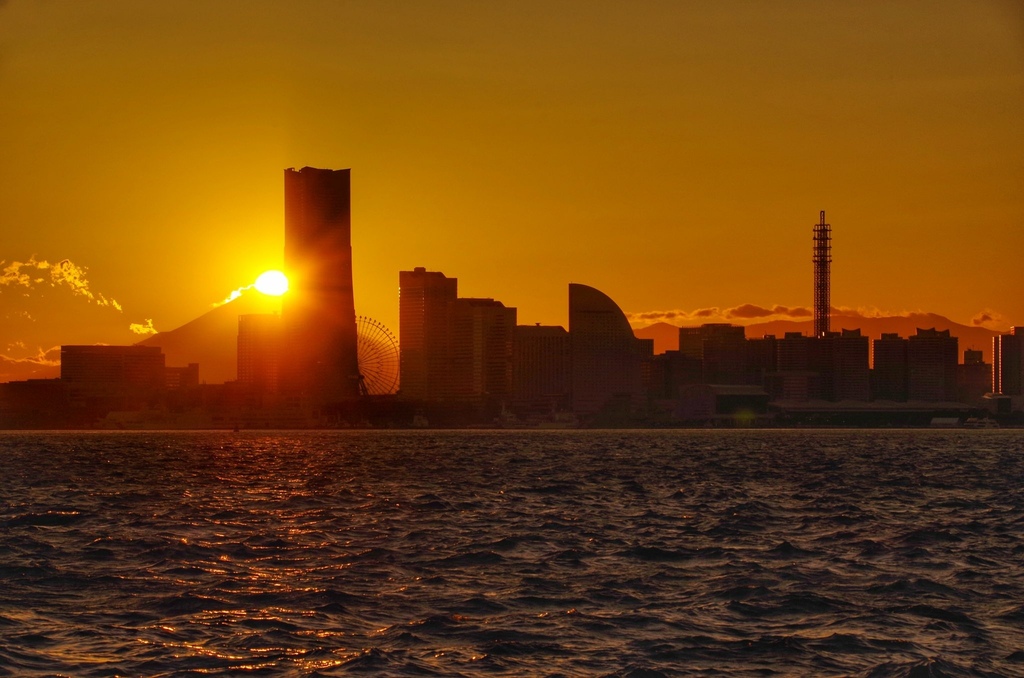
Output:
(426, 301)
(889, 371)
(1008, 363)
(851, 372)
(606, 355)
(318, 312)
(540, 368)
(482, 336)
(113, 377)
(932, 365)
(973, 378)
(259, 351)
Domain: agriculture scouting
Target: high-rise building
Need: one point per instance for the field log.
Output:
(722, 350)
(540, 368)
(182, 378)
(798, 376)
(426, 301)
(762, 359)
(931, 366)
(889, 374)
(606, 355)
(318, 312)
(851, 374)
(973, 378)
(1008, 363)
(259, 341)
(482, 336)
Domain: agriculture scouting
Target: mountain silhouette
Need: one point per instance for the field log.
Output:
(666, 336)
(212, 339)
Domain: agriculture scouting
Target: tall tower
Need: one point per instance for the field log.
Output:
(318, 313)
(822, 263)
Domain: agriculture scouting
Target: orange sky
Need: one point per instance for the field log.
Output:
(672, 154)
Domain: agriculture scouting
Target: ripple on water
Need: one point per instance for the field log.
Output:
(555, 553)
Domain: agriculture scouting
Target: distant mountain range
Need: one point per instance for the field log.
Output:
(212, 339)
(666, 336)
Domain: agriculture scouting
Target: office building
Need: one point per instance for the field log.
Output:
(762, 359)
(113, 377)
(182, 378)
(606, 355)
(540, 369)
(426, 301)
(931, 366)
(318, 312)
(973, 378)
(482, 336)
(889, 371)
(259, 351)
(723, 354)
(851, 373)
(1008, 363)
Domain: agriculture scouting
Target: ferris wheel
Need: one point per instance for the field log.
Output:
(377, 350)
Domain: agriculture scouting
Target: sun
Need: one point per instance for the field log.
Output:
(273, 283)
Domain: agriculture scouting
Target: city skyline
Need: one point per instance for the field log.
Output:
(660, 156)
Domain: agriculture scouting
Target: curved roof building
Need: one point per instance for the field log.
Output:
(606, 356)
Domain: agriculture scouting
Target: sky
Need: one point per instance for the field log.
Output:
(674, 154)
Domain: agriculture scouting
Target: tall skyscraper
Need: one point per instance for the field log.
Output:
(318, 312)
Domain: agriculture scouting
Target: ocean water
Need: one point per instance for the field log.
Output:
(577, 553)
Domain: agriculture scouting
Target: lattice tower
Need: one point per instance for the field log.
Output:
(822, 273)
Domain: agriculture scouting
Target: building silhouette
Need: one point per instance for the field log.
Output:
(850, 362)
(426, 301)
(973, 378)
(318, 312)
(104, 378)
(606, 355)
(181, 378)
(481, 347)
(932, 366)
(259, 343)
(541, 374)
(453, 350)
(1008, 363)
(722, 350)
(889, 373)
(798, 375)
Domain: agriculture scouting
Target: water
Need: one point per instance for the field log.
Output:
(872, 553)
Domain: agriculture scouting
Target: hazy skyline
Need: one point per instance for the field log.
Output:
(674, 155)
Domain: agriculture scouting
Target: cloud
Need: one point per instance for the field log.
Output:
(43, 358)
(44, 363)
(234, 295)
(715, 313)
(143, 328)
(991, 320)
(63, 274)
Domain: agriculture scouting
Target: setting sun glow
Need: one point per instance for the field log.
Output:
(273, 283)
